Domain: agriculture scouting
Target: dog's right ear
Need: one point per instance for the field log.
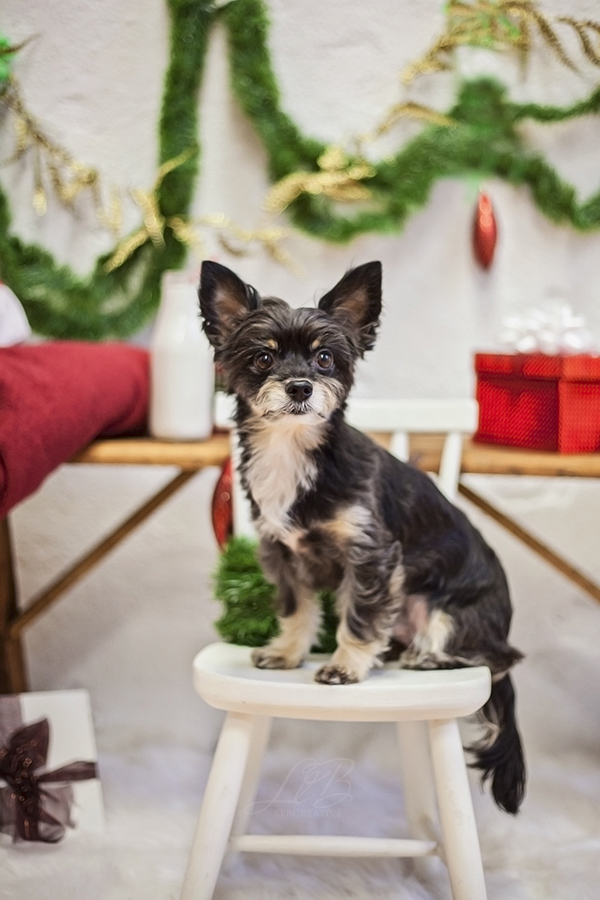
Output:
(224, 300)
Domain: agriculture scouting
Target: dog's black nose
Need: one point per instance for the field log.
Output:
(299, 390)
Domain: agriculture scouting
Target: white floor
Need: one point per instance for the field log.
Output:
(129, 632)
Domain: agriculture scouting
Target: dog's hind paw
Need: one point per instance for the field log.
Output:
(271, 658)
(426, 661)
(335, 675)
(411, 660)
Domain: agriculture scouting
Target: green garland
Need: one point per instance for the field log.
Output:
(484, 141)
(118, 303)
(248, 600)
(7, 55)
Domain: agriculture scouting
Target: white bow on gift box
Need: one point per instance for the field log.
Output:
(553, 329)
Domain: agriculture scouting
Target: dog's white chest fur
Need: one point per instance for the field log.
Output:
(279, 467)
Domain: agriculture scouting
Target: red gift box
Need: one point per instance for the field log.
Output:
(538, 401)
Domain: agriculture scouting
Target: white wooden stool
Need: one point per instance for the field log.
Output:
(425, 705)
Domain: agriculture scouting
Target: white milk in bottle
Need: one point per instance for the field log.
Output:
(181, 364)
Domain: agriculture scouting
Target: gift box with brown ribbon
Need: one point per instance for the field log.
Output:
(48, 772)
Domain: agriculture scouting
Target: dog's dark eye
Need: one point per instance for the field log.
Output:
(264, 360)
(324, 359)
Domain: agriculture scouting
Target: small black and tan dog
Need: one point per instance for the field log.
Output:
(333, 510)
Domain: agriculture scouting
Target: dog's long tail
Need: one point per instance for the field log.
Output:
(500, 755)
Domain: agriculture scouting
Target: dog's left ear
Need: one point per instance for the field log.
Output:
(224, 300)
(356, 301)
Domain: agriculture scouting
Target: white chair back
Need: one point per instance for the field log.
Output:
(400, 418)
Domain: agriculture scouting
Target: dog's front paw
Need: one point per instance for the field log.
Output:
(332, 674)
(274, 658)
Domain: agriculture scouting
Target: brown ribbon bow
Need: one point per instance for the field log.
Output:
(36, 806)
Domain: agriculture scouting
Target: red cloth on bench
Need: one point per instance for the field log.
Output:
(55, 398)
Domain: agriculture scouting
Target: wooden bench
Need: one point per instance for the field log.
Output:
(192, 457)
(189, 458)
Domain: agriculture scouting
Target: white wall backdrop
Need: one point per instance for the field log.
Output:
(93, 76)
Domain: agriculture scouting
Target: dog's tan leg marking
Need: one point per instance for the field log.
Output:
(297, 634)
(352, 660)
(348, 524)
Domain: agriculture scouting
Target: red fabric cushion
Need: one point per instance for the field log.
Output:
(55, 398)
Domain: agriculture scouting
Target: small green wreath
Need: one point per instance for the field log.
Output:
(248, 600)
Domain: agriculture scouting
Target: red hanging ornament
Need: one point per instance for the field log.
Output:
(222, 506)
(485, 231)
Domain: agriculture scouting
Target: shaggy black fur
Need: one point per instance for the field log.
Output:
(334, 510)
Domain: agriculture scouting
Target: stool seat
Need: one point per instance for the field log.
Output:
(226, 678)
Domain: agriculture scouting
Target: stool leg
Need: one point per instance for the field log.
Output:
(461, 843)
(261, 729)
(419, 792)
(218, 808)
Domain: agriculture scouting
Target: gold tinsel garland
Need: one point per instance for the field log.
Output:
(230, 236)
(500, 25)
(412, 110)
(68, 177)
(337, 178)
(55, 167)
(153, 222)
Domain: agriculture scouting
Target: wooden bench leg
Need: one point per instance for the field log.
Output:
(13, 679)
(543, 550)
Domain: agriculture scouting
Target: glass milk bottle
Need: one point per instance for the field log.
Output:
(181, 365)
